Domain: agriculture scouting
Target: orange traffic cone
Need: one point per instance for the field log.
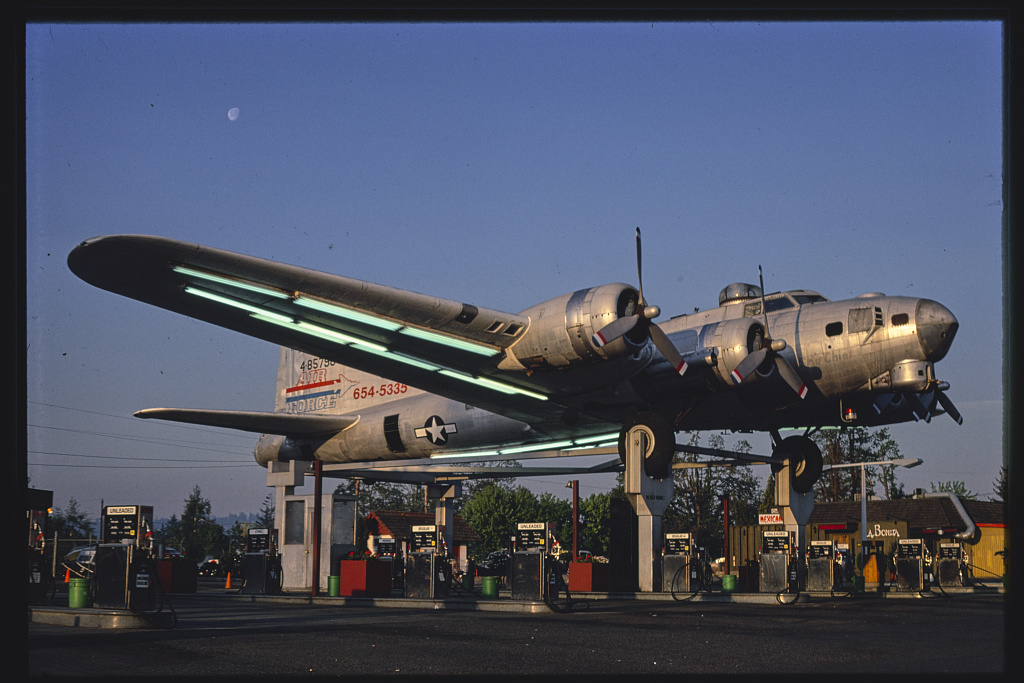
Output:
(228, 583)
(67, 576)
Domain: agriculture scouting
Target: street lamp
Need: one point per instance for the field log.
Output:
(575, 486)
(902, 462)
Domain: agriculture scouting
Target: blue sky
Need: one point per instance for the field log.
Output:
(502, 165)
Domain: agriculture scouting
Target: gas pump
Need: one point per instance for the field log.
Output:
(678, 565)
(821, 566)
(778, 567)
(910, 565)
(387, 549)
(261, 565)
(124, 575)
(528, 561)
(951, 565)
(425, 566)
(40, 579)
(845, 562)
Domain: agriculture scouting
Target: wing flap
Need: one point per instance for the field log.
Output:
(285, 424)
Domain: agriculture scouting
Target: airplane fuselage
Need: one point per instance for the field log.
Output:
(847, 352)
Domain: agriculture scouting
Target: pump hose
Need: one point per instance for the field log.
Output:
(675, 582)
(560, 585)
(784, 591)
(702, 575)
(149, 616)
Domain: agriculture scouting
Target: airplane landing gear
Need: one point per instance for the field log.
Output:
(805, 461)
(661, 443)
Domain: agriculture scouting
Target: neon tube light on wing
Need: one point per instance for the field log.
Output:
(392, 326)
(453, 342)
(220, 279)
(362, 344)
(255, 310)
(347, 313)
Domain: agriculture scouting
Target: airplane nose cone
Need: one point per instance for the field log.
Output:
(936, 327)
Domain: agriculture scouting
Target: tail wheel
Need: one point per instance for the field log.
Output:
(661, 443)
(805, 461)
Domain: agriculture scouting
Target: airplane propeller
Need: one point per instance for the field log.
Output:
(644, 319)
(922, 409)
(770, 349)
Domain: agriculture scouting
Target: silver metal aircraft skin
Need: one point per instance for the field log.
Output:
(577, 369)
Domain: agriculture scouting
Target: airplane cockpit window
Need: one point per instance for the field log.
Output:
(771, 305)
(809, 298)
(779, 304)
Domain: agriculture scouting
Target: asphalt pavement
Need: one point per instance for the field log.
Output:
(223, 634)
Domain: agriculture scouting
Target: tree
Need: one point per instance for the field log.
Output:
(197, 534)
(957, 488)
(265, 519)
(595, 530)
(493, 511)
(698, 492)
(852, 445)
(1001, 485)
(72, 523)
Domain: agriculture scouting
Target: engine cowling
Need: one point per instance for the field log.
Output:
(275, 448)
(733, 341)
(561, 328)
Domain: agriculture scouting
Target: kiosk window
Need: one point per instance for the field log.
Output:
(294, 522)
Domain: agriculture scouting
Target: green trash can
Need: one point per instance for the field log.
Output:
(78, 593)
(728, 583)
(467, 581)
(489, 586)
(333, 586)
(858, 584)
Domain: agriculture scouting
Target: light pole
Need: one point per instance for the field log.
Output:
(903, 462)
(575, 486)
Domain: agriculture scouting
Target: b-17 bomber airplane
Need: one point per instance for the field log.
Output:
(370, 372)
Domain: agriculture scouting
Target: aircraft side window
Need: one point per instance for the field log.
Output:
(752, 309)
(861, 320)
(834, 329)
(900, 319)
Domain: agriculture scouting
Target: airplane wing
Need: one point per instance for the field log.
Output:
(285, 424)
(442, 346)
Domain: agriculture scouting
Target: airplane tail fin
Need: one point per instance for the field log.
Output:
(309, 384)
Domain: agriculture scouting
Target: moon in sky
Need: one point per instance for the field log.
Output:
(233, 113)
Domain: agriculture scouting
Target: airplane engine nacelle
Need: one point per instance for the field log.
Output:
(277, 448)
(733, 340)
(561, 329)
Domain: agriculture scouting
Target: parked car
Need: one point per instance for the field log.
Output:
(211, 568)
(80, 561)
(495, 564)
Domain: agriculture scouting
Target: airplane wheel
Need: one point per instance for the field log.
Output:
(804, 460)
(661, 443)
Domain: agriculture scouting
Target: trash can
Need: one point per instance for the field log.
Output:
(489, 586)
(333, 586)
(467, 581)
(728, 583)
(78, 593)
